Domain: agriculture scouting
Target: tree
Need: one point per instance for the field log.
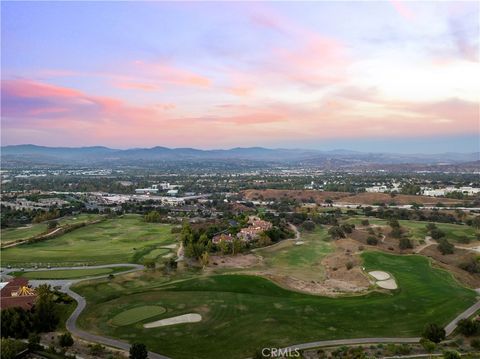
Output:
(428, 345)
(336, 232)
(405, 243)
(52, 224)
(437, 234)
(204, 259)
(468, 327)
(237, 246)
(451, 354)
(365, 222)
(10, 348)
(152, 217)
(65, 340)
(33, 341)
(138, 351)
(45, 316)
(445, 247)
(149, 263)
(434, 333)
(308, 226)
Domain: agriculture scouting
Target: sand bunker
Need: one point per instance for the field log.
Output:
(387, 284)
(170, 246)
(299, 243)
(379, 275)
(185, 318)
(384, 279)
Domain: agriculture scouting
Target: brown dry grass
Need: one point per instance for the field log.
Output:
(364, 198)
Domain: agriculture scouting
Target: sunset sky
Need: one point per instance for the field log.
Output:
(374, 76)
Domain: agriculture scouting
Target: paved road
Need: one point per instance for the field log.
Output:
(331, 343)
(468, 313)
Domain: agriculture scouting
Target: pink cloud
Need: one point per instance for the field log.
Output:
(133, 85)
(403, 9)
(171, 74)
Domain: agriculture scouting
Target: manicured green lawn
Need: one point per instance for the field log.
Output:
(69, 274)
(242, 313)
(124, 239)
(19, 233)
(137, 314)
(301, 261)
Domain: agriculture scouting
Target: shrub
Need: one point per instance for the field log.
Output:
(475, 343)
(65, 340)
(405, 243)
(372, 241)
(365, 222)
(451, 354)
(428, 345)
(445, 247)
(349, 265)
(138, 351)
(308, 226)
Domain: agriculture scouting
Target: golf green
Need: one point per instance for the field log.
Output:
(242, 313)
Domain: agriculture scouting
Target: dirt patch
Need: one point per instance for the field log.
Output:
(365, 198)
(400, 199)
(300, 195)
(239, 261)
(344, 267)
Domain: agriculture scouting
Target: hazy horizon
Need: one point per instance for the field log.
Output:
(401, 77)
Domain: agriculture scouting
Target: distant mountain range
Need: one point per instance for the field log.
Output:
(22, 155)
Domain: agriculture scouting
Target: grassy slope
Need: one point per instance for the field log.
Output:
(242, 313)
(418, 228)
(111, 241)
(302, 261)
(68, 274)
(13, 234)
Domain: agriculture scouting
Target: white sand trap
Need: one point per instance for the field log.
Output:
(379, 275)
(299, 243)
(185, 318)
(168, 255)
(387, 284)
(170, 246)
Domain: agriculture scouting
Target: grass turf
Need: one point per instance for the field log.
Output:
(68, 273)
(137, 314)
(242, 313)
(125, 239)
(20, 233)
(301, 261)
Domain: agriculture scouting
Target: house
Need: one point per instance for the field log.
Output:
(257, 226)
(17, 293)
(222, 238)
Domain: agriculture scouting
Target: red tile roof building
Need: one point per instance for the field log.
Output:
(257, 226)
(17, 293)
